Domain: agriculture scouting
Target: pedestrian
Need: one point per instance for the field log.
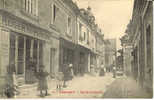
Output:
(42, 78)
(11, 83)
(104, 69)
(71, 72)
(30, 76)
(66, 72)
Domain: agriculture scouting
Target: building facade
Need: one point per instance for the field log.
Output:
(140, 35)
(26, 36)
(127, 56)
(100, 49)
(86, 48)
(110, 53)
(64, 19)
(53, 33)
(83, 47)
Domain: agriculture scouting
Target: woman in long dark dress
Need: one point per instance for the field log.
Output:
(10, 90)
(66, 73)
(42, 84)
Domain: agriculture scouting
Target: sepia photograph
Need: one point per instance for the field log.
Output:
(90, 49)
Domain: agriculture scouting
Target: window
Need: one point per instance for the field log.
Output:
(69, 24)
(20, 68)
(52, 60)
(54, 13)
(67, 56)
(84, 36)
(55, 9)
(31, 6)
(88, 36)
(80, 28)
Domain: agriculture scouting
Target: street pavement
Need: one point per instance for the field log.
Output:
(89, 86)
(125, 87)
(86, 86)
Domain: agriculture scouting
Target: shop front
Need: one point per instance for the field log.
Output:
(82, 60)
(66, 54)
(26, 53)
(25, 45)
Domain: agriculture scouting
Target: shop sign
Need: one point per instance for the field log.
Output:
(22, 27)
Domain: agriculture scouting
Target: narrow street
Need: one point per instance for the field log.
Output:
(91, 87)
(45, 43)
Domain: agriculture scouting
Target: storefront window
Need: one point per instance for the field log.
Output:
(35, 51)
(12, 48)
(81, 58)
(41, 53)
(64, 56)
(67, 56)
(28, 46)
(52, 59)
(20, 69)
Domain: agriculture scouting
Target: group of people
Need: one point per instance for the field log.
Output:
(62, 79)
(11, 88)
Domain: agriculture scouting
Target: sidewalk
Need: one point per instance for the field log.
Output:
(125, 88)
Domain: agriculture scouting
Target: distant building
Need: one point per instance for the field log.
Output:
(100, 49)
(119, 60)
(86, 49)
(110, 52)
